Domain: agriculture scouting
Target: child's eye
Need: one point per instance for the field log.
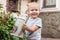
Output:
(36, 9)
(32, 10)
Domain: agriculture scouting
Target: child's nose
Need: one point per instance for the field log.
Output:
(34, 11)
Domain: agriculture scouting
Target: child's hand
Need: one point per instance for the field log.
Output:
(24, 26)
(14, 29)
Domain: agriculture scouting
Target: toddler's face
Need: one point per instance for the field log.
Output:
(34, 11)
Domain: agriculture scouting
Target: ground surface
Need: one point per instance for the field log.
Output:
(50, 39)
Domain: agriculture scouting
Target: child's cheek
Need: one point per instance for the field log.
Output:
(29, 12)
(38, 12)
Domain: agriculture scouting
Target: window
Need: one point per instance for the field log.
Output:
(12, 5)
(49, 3)
(32, 0)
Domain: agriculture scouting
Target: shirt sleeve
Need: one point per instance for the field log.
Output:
(38, 23)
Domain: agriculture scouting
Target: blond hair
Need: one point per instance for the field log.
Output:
(34, 4)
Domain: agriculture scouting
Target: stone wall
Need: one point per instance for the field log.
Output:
(51, 24)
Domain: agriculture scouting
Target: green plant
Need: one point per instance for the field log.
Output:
(6, 23)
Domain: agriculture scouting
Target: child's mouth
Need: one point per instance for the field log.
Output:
(34, 13)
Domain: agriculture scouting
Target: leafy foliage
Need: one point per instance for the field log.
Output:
(6, 23)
